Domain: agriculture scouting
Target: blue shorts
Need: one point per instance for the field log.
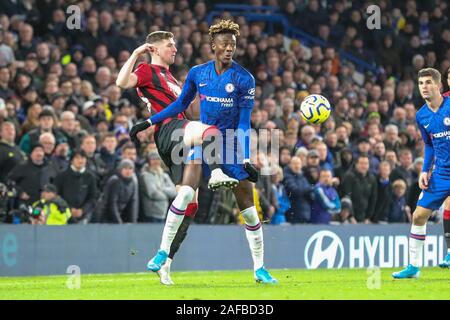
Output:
(234, 169)
(438, 190)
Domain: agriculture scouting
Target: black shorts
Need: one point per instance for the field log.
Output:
(165, 145)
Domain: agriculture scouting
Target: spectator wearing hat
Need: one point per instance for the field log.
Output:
(32, 175)
(119, 203)
(346, 214)
(10, 154)
(361, 186)
(156, 190)
(299, 191)
(91, 114)
(51, 209)
(78, 187)
(46, 124)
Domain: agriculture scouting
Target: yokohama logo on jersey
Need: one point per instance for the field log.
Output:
(442, 134)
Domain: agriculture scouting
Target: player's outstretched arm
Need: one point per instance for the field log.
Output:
(126, 79)
(179, 105)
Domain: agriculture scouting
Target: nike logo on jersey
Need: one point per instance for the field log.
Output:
(202, 84)
(426, 126)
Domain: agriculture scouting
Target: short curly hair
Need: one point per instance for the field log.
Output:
(224, 26)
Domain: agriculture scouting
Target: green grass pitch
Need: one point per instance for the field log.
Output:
(223, 285)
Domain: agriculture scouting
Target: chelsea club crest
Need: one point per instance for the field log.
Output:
(229, 88)
(447, 121)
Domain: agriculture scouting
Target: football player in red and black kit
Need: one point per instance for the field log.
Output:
(158, 88)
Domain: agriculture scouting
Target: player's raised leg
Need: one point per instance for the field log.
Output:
(253, 230)
(210, 138)
(446, 223)
(176, 213)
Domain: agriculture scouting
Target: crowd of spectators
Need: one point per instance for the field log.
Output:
(64, 123)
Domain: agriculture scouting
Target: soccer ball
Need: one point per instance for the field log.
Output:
(315, 109)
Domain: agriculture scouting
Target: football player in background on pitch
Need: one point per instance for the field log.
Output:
(433, 120)
(226, 93)
(158, 88)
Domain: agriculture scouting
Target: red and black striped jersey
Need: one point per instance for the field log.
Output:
(156, 85)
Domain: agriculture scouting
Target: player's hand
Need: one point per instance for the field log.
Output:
(252, 172)
(423, 180)
(146, 47)
(138, 127)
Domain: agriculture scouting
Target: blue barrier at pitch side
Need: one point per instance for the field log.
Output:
(99, 248)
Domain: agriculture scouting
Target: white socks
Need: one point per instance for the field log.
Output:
(175, 216)
(416, 242)
(254, 234)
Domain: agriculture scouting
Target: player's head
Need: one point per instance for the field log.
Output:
(165, 47)
(429, 83)
(223, 40)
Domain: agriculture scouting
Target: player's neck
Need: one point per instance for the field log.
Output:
(221, 67)
(158, 62)
(435, 103)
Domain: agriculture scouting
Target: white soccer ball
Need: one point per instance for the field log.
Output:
(315, 109)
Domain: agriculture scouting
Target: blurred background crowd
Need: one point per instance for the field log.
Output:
(65, 153)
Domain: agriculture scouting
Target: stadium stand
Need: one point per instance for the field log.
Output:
(57, 91)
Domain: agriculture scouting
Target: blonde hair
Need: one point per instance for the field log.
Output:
(224, 26)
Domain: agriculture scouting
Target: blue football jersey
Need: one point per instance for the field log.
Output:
(226, 101)
(435, 130)
(221, 96)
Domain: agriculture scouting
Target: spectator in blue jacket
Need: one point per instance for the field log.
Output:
(284, 204)
(326, 201)
(299, 192)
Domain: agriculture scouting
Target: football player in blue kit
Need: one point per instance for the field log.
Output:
(433, 120)
(226, 93)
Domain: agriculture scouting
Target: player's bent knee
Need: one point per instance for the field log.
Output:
(193, 133)
(210, 131)
(185, 196)
(250, 216)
